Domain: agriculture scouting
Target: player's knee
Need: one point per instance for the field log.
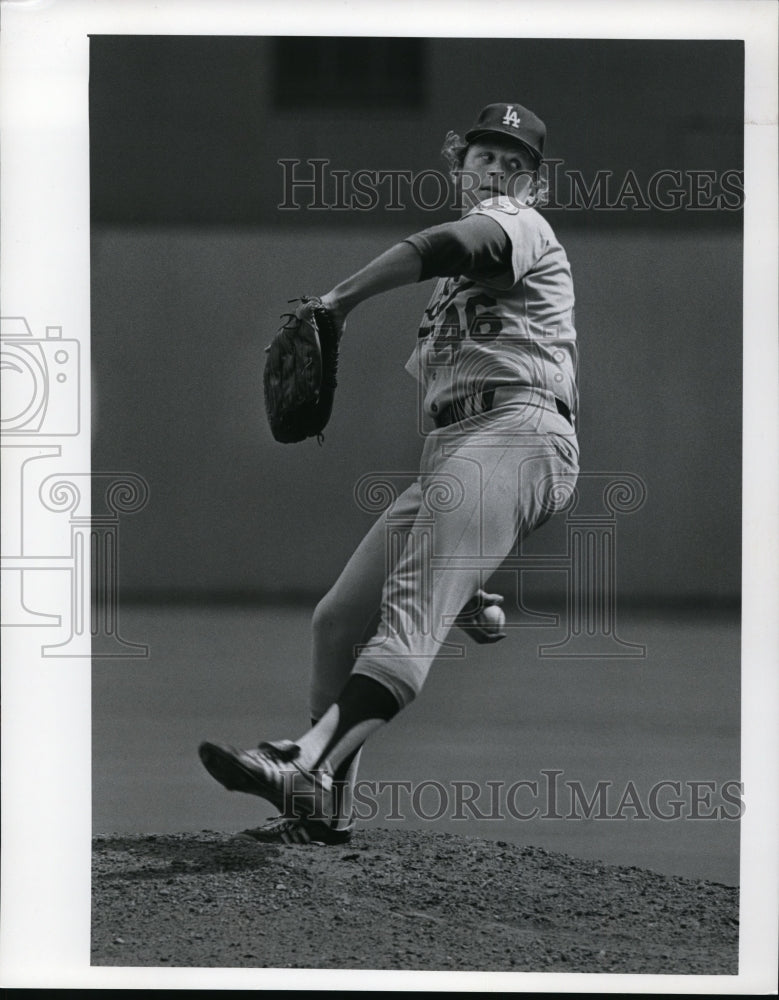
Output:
(330, 623)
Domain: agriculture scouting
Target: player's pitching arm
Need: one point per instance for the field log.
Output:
(475, 246)
(398, 266)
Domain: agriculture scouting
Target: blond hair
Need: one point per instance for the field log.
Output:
(454, 150)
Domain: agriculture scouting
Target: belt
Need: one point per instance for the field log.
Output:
(483, 402)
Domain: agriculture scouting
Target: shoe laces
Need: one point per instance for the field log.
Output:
(280, 824)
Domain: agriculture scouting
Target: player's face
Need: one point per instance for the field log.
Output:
(495, 166)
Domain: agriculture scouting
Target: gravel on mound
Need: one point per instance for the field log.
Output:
(399, 899)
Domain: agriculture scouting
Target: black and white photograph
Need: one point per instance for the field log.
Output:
(393, 489)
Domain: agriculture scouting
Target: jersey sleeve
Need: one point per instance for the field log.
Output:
(475, 247)
(527, 232)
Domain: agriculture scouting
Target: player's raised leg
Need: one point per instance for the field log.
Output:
(310, 780)
(508, 483)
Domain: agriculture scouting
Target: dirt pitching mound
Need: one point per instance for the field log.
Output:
(398, 899)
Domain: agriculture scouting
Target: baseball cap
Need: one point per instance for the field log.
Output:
(512, 120)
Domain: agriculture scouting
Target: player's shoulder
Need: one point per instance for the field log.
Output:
(512, 214)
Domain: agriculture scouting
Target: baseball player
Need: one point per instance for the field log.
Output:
(495, 358)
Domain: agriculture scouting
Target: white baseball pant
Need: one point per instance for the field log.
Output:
(484, 484)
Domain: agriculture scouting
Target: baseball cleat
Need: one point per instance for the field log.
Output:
(272, 772)
(294, 830)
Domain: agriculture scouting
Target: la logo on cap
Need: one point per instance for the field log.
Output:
(511, 117)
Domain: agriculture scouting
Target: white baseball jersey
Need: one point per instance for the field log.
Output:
(516, 329)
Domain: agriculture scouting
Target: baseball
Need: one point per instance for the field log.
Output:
(493, 618)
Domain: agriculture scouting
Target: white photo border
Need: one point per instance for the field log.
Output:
(44, 161)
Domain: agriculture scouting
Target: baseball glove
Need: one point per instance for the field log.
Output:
(301, 365)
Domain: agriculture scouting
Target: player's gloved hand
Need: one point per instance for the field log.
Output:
(300, 376)
(483, 618)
